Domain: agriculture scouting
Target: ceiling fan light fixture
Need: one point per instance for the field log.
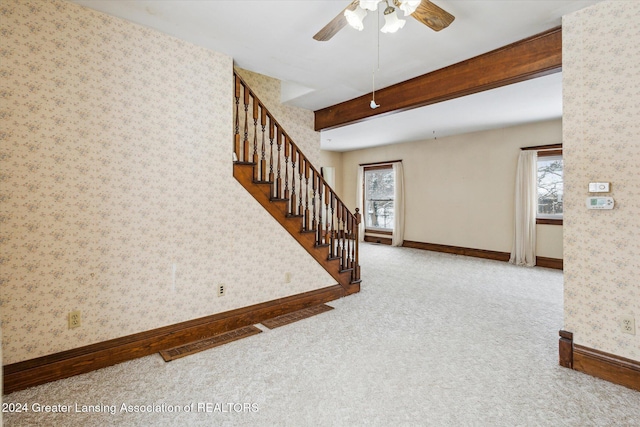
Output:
(371, 5)
(355, 18)
(409, 6)
(391, 21)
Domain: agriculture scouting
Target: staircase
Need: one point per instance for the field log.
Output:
(280, 177)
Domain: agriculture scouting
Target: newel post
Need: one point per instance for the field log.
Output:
(356, 269)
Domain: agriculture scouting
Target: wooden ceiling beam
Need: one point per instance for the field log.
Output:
(526, 59)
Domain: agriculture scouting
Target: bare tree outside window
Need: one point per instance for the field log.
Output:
(550, 187)
(378, 198)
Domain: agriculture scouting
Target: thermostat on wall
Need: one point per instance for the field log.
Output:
(600, 203)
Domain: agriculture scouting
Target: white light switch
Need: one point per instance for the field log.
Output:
(598, 187)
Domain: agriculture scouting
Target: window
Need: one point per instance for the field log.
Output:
(550, 187)
(378, 197)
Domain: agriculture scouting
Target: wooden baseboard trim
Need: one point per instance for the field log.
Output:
(609, 367)
(29, 373)
(457, 250)
(376, 239)
(480, 253)
(549, 263)
(565, 356)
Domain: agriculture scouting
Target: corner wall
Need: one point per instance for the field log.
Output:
(601, 81)
(334, 159)
(117, 191)
(460, 190)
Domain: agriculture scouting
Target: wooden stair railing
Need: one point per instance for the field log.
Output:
(288, 186)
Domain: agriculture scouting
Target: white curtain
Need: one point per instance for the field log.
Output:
(360, 201)
(398, 226)
(524, 238)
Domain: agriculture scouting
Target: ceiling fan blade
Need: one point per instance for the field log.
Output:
(336, 24)
(433, 16)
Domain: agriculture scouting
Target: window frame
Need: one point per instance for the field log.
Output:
(549, 219)
(370, 167)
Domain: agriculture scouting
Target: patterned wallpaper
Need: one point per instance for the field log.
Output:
(297, 122)
(116, 184)
(601, 128)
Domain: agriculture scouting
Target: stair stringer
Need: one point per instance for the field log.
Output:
(261, 191)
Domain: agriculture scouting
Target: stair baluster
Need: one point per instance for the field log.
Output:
(245, 140)
(345, 241)
(320, 224)
(256, 107)
(236, 148)
(314, 183)
(293, 204)
(307, 219)
(287, 144)
(301, 162)
(327, 202)
(278, 174)
(271, 136)
(332, 239)
(339, 232)
(263, 154)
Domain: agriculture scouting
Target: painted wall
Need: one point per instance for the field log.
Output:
(601, 89)
(117, 191)
(334, 159)
(1, 377)
(460, 190)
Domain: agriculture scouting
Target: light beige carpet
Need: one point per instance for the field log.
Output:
(432, 340)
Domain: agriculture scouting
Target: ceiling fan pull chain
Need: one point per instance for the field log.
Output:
(373, 104)
(378, 39)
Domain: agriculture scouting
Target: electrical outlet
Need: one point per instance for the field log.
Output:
(628, 325)
(287, 277)
(221, 290)
(75, 320)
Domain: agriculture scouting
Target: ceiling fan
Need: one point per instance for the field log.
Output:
(423, 10)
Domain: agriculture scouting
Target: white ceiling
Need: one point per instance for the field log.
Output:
(274, 37)
(530, 101)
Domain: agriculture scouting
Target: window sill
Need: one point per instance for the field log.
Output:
(548, 221)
